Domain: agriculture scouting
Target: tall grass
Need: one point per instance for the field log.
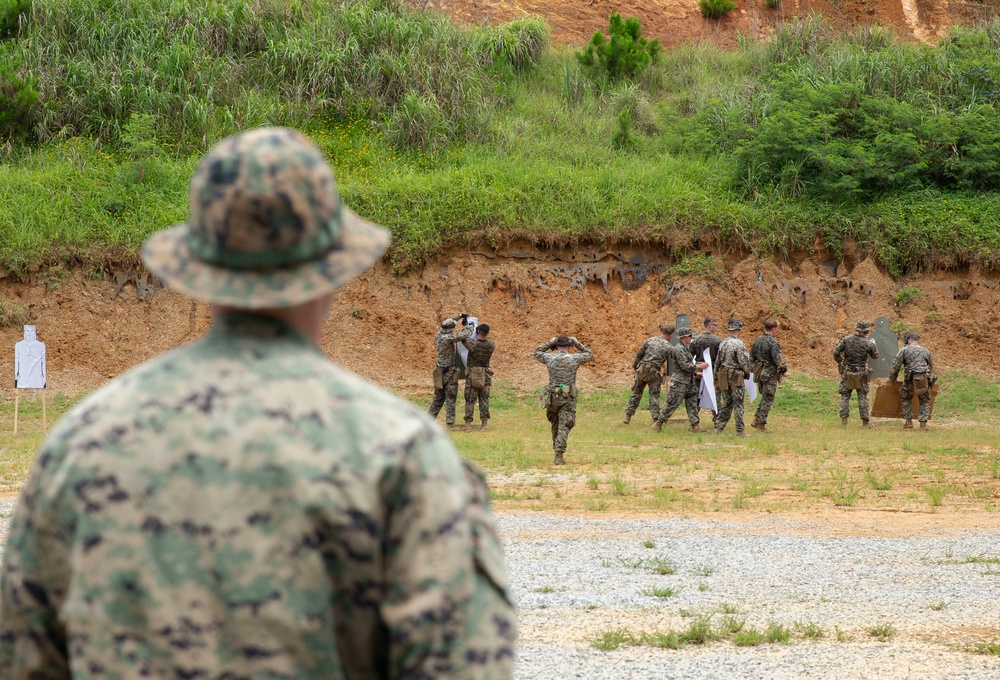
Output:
(205, 68)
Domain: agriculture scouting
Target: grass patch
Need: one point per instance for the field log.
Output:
(883, 632)
(661, 593)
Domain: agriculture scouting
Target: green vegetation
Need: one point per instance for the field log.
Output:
(716, 9)
(906, 295)
(623, 54)
(447, 134)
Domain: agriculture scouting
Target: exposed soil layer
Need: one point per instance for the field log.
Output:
(679, 21)
(611, 298)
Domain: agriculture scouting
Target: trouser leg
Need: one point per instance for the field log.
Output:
(470, 402)
(863, 401)
(553, 415)
(654, 397)
(767, 391)
(633, 401)
(565, 420)
(675, 396)
(925, 407)
(451, 396)
(725, 409)
(738, 399)
(437, 402)
(906, 399)
(845, 403)
(691, 404)
(484, 402)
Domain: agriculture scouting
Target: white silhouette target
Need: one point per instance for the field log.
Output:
(29, 361)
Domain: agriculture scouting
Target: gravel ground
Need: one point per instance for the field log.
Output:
(576, 578)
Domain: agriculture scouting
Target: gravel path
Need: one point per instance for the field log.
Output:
(576, 578)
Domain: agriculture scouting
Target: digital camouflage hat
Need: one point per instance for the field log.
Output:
(266, 227)
(734, 325)
(685, 333)
(863, 326)
(448, 324)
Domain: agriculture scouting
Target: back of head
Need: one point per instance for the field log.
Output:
(911, 336)
(734, 325)
(685, 333)
(564, 341)
(770, 324)
(667, 329)
(709, 321)
(483, 329)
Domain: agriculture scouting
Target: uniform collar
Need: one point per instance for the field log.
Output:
(248, 324)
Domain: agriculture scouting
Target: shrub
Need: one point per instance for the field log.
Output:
(716, 9)
(625, 54)
(773, 4)
(623, 139)
(18, 105)
(905, 296)
(13, 14)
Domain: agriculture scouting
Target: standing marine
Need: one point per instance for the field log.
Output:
(648, 364)
(852, 354)
(477, 384)
(917, 365)
(240, 507)
(707, 339)
(768, 367)
(733, 369)
(446, 372)
(560, 394)
(683, 383)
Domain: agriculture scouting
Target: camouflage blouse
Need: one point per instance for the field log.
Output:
(242, 508)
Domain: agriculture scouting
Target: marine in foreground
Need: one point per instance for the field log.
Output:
(241, 507)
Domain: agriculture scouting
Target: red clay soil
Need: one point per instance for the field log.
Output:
(680, 21)
(382, 324)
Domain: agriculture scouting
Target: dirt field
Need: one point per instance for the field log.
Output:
(680, 21)
(382, 324)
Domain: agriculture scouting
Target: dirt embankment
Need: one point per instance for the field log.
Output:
(612, 298)
(679, 21)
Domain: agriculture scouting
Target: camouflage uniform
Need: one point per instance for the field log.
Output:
(683, 386)
(913, 359)
(480, 353)
(241, 507)
(852, 354)
(699, 343)
(649, 361)
(447, 358)
(767, 351)
(734, 361)
(561, 391)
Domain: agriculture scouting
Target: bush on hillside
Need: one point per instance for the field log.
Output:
(716, 9)
(625, 54)
(205, 68)
(18, 105)
(13, 14)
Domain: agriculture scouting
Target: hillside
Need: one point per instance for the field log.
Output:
(679, 21)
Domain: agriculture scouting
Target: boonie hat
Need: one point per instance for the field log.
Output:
(448, 323)
(564, 341)
(734, 325)
(863, 326)
(266, 227)
(685, 333)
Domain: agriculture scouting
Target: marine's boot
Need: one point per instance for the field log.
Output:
(628, 418)
(843, 422)
(923, 424)
(559, 459)
(657, 425)
(866, 424)
(694, 428)
(741, 434)
(485, 423)
(761, 427)
(717, 430)
(908, 425)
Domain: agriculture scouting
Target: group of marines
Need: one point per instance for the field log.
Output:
(684, 363)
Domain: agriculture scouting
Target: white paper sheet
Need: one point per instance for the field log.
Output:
(751, 388)
(463, 352)
(706, 398)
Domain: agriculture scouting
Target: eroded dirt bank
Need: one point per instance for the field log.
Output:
(612, 298)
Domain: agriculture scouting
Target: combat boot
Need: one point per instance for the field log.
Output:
(717, 430)
(865, 424)
(843, 422)
(484, 424)
(628, 418)
(741, 434)
(908, 425)
(694, 428)
(657, 425)
(559, 459)
(760, 427)
(923, 424)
